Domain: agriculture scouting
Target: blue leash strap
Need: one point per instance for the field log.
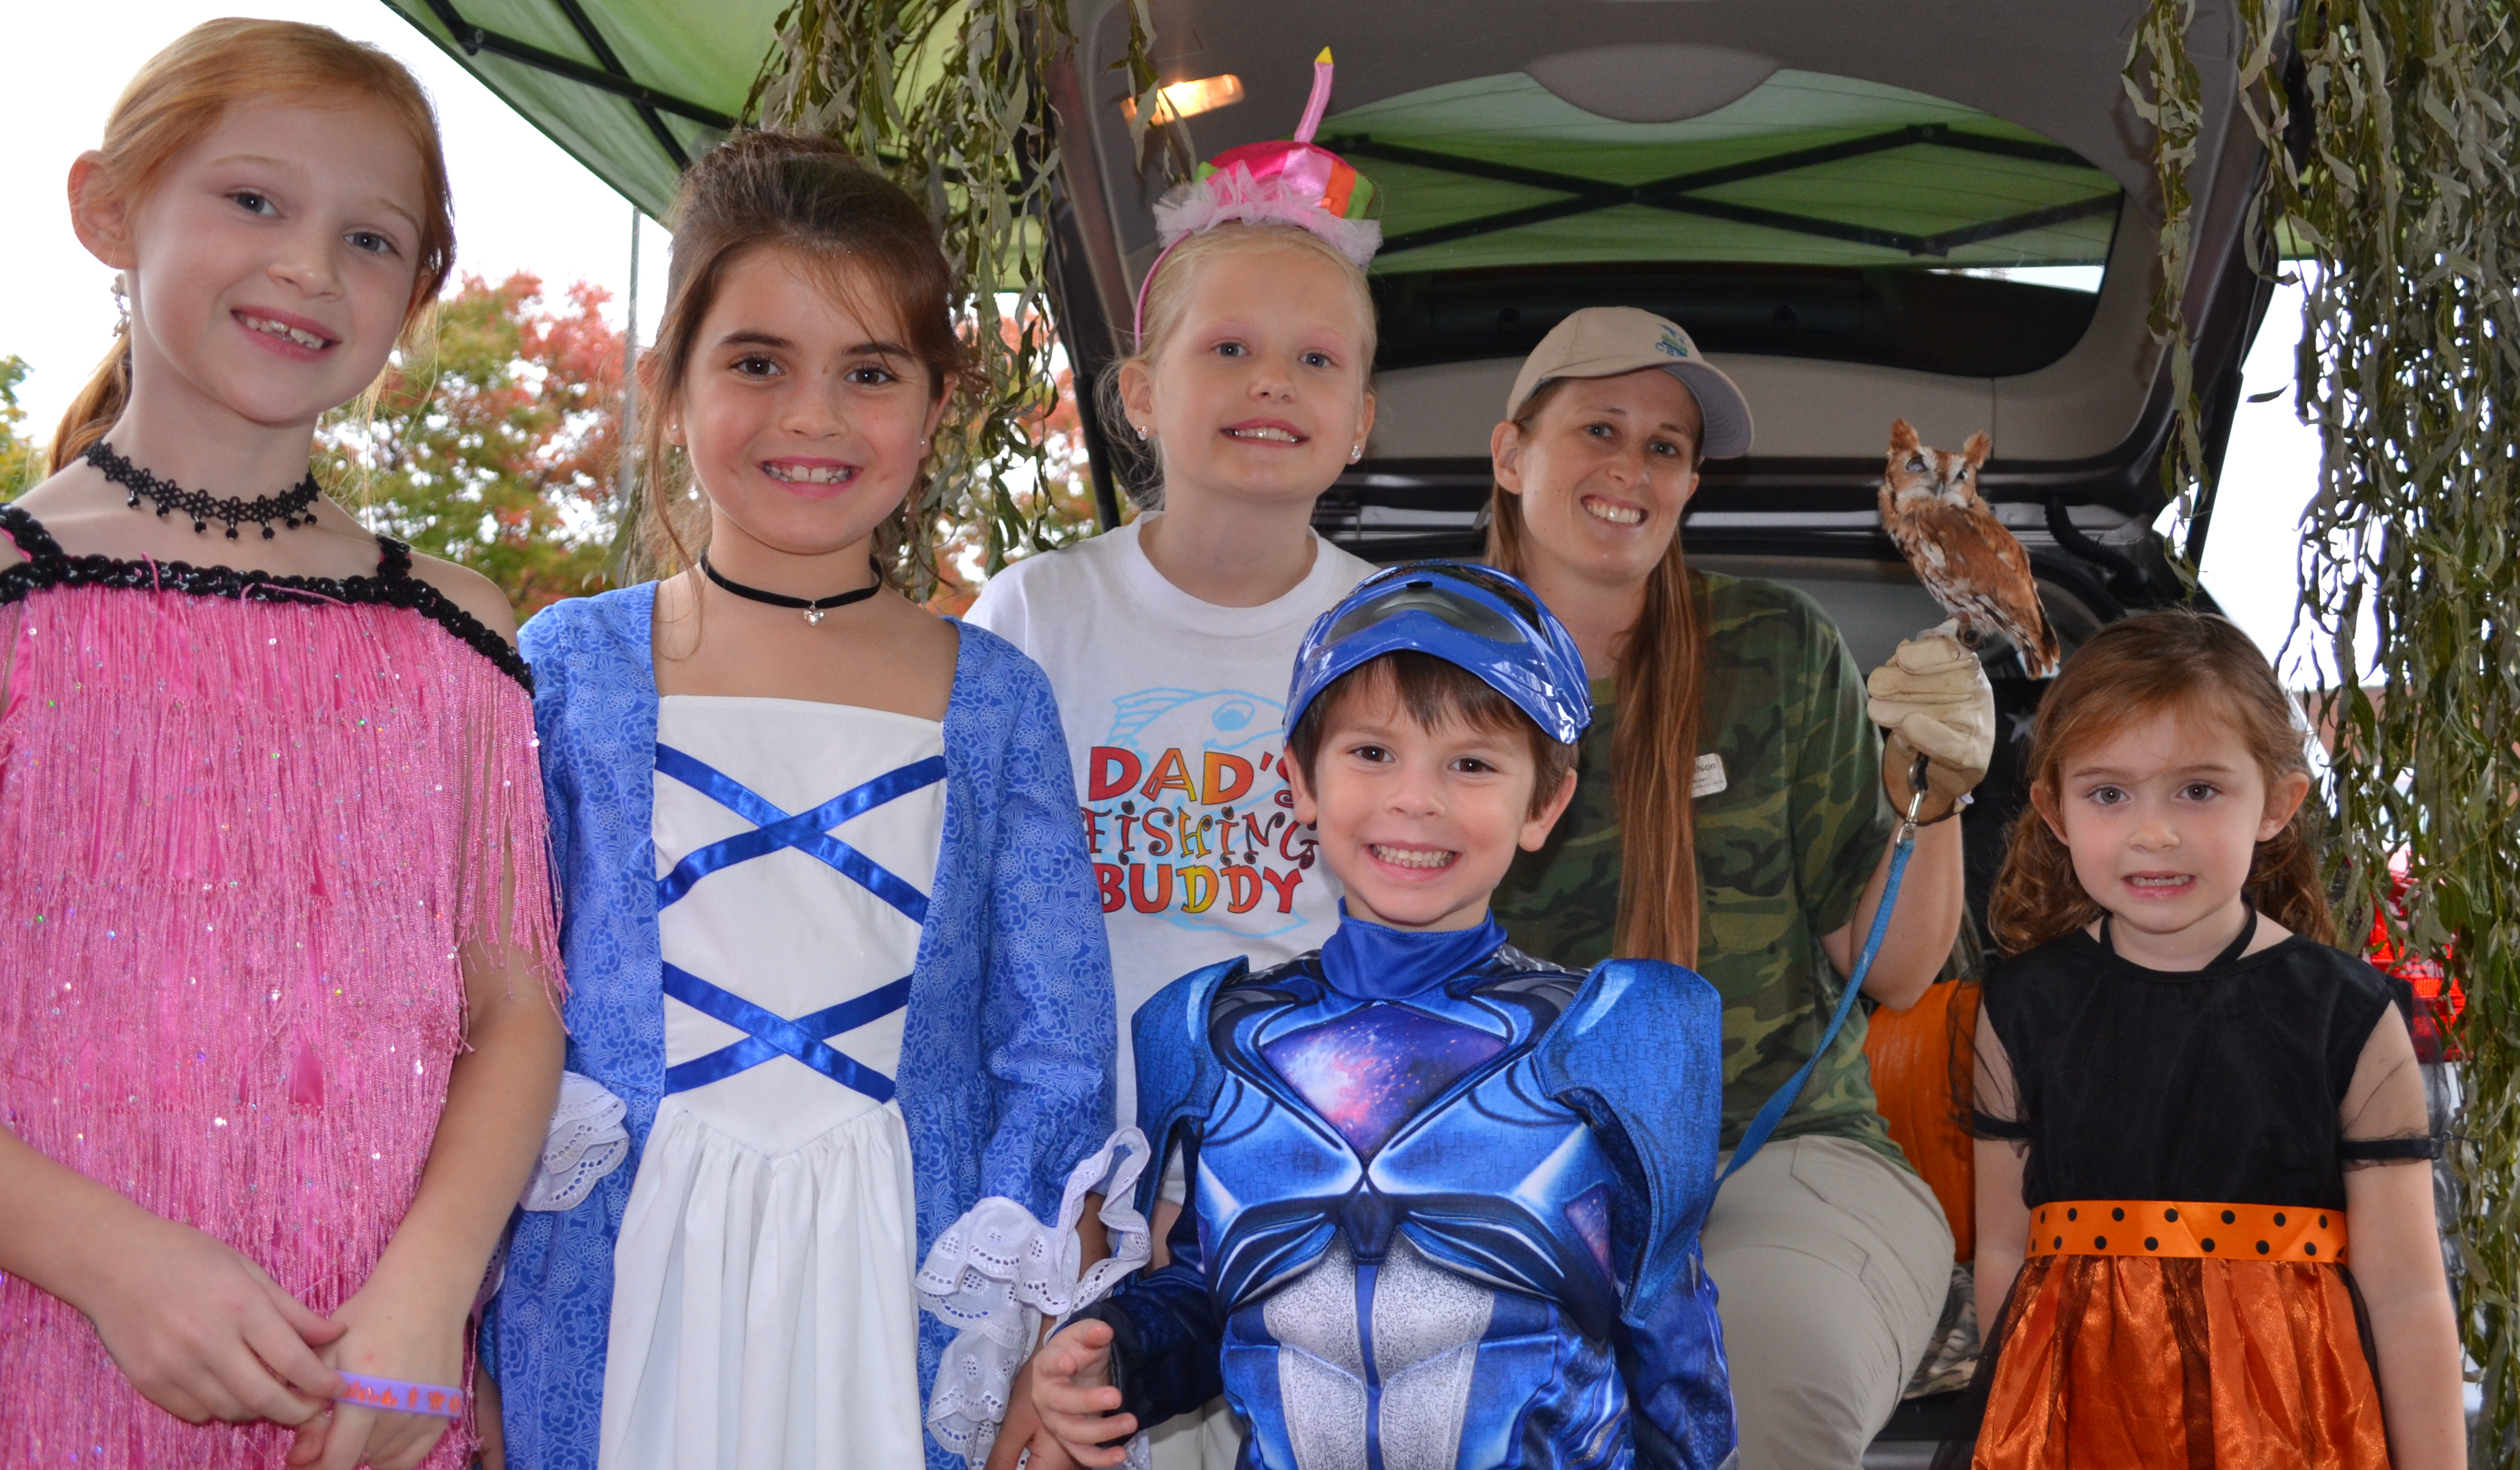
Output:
(1773, 1110)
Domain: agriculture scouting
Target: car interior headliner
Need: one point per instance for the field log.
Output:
(2052, 68)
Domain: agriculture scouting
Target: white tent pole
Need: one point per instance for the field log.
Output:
(626, 494)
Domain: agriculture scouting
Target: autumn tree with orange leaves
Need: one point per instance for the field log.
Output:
(496, 446)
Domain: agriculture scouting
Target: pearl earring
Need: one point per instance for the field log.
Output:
(1142, 431)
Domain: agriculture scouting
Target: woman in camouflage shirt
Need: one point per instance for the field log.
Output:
(1742, 758)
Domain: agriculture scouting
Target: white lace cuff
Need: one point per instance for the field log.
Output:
(586, 1142)
(997, 1271)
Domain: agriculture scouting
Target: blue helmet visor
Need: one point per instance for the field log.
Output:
(1475, 618)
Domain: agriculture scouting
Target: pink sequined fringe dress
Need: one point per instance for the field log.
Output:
(247, 825)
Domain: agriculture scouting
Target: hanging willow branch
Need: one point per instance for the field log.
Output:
(2407, 206)
(946, 97)
(2411, 367)
(2163, 86)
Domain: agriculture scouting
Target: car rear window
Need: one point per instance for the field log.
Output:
(1815, 216)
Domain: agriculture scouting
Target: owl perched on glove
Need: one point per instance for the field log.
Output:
(1965, 558)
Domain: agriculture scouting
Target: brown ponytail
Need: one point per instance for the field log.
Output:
(2131, 670)
(180, 93)
(1653, 746)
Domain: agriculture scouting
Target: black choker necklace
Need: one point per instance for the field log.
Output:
(813, 607)
(293, 506)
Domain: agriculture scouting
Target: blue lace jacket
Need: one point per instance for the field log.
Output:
(1006, 1077)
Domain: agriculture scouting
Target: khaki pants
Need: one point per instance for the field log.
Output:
(1831, 1265)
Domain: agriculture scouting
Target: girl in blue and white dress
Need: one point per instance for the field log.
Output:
(832, 936)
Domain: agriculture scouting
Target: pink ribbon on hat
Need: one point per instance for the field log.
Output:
(1318, 106)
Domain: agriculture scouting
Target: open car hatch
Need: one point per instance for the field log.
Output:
(1942, 212)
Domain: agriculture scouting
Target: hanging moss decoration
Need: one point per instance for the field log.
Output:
(2400, 198)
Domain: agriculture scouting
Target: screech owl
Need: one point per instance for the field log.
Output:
(1965, 558)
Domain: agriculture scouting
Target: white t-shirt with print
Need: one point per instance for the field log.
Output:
(1174, 710)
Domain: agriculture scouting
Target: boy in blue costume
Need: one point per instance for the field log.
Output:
(1443, 1198)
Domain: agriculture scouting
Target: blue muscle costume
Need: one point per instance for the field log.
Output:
(1005, 1079)
(1445, 1203)
(1444, 1197)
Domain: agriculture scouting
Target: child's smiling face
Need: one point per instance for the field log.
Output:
(2163, 819)
(272, 261)
(806, 422)
(1259, 391)
(1420, 824)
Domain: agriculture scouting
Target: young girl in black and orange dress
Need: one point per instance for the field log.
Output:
(2183, 1095)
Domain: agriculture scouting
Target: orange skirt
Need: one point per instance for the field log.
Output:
(2111, 1361)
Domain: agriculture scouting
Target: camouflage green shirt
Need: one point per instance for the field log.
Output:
(1783, 852)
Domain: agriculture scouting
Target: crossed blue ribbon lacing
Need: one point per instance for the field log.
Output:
(769, 1036)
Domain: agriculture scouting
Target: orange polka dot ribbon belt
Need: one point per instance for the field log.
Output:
(2192, 1228)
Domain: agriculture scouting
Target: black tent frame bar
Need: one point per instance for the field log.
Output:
(611, 76)
(1676, 192)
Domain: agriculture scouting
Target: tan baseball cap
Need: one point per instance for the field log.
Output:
(1604, 342)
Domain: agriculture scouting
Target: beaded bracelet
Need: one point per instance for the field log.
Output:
(400, 1397)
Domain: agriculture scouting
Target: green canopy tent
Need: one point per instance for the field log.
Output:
(1805, 167)
(1824, 206)
(1490, 171)
(633, 89)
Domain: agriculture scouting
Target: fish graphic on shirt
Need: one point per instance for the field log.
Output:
(1156, 720)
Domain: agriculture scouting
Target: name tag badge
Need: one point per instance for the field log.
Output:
(1709, 776)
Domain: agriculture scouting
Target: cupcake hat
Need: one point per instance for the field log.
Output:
(1292, 183)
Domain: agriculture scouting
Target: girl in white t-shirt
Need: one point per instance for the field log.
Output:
(1169, 641)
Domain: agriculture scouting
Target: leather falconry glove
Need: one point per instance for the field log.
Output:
(1933, 700)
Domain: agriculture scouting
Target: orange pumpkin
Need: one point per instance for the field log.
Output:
(1920, 1076)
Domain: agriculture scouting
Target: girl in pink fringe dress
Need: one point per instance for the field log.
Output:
(277, 1041)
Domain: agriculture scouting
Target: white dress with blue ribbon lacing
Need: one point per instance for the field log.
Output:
(764, 1312)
